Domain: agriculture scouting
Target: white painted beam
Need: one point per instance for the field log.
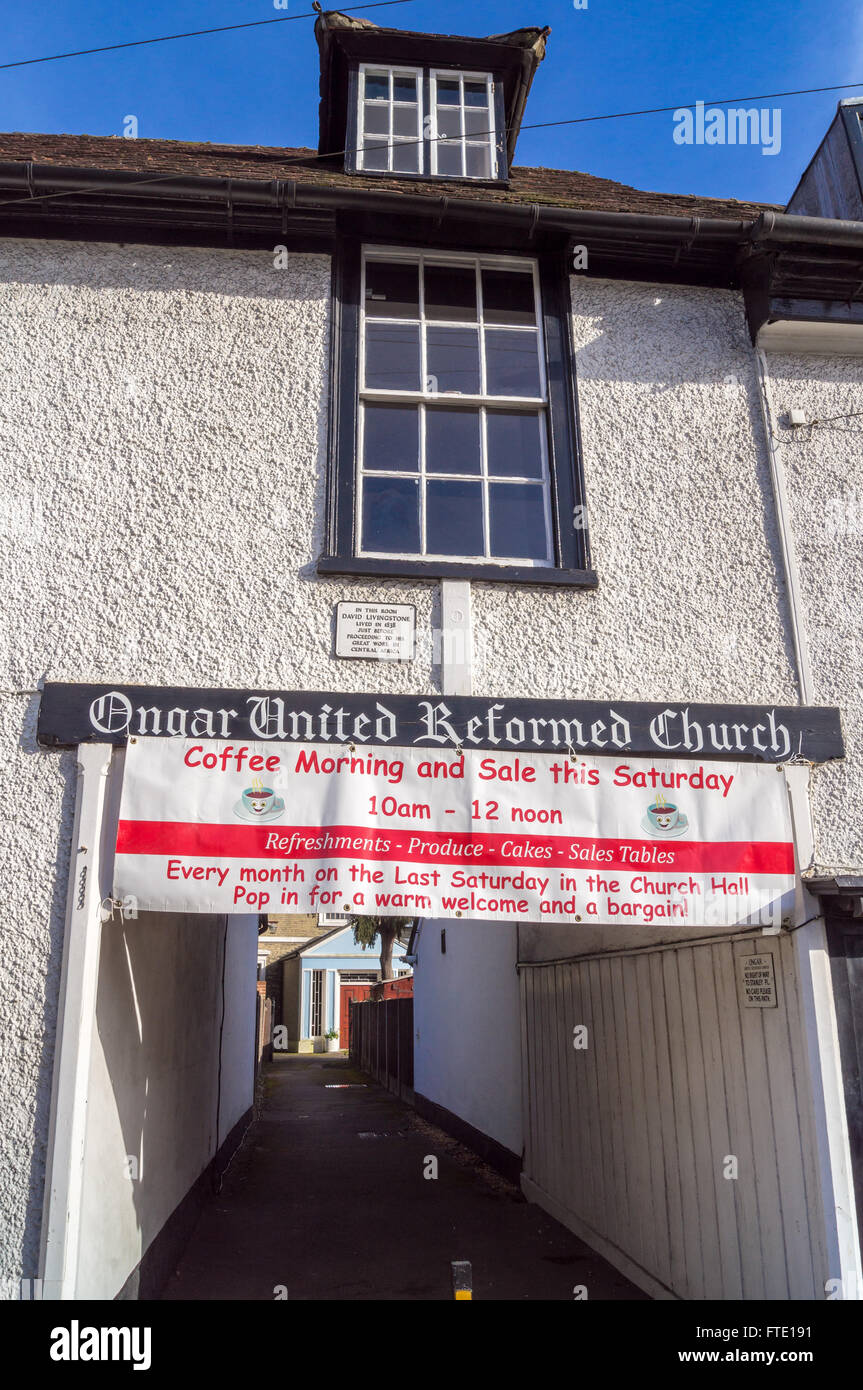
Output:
(454, 639)
(839, 1211)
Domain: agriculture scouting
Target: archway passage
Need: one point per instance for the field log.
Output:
(341, 1192)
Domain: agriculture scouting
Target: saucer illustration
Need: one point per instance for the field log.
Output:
(259, 817)
(259, 804)
(664, 819)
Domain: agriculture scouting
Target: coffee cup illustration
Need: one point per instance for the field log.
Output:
(664, 818)
(258, 800)
(259, 803)
(663, 815)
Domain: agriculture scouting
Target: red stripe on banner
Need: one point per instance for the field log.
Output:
(453, 847)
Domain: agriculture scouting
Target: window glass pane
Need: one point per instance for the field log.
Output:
(406, 157)
(393, 356)
(450, 292)
(477, 122)
(514, 444)
(454, 518)
(376, 119)
(512, 364)
(508, 297)
(391, 437)
(453, 360)
(475, 94)
(449, 122)
(377, 86)
(405, 120)
(452, 441)
(517, 517)
(391, 515)
(448, 158)
(404, 88)
(478, 162)
(392, 290)
(375, 156)
(448, 92)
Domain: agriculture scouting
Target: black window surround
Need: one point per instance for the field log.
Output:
(360, 145)
(571, 565)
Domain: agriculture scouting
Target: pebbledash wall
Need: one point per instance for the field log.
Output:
(823, 466)
(163, 418)
(690, 598)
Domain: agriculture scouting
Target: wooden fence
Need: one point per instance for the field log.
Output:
(381, 1042)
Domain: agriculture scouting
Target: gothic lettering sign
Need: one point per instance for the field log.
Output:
(220, 826)
(70, 714)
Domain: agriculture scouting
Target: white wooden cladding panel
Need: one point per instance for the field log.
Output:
(630, 1135)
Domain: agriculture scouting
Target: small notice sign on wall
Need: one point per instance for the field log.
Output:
(376, 631)
(757, 981)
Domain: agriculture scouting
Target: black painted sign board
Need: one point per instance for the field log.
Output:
(70, 714)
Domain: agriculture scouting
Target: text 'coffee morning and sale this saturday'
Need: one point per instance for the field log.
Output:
(209, 826)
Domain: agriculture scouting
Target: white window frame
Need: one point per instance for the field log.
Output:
(490, 141)
(427, 397)
(392, 71)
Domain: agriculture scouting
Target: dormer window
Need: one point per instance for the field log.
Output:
(436, 107)
(433, 122)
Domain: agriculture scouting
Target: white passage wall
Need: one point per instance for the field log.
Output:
(628, 1139)
(466, 1034)
(158, 1078)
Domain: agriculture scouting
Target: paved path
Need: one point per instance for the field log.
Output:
(327, 1197)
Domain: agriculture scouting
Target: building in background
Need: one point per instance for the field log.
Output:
(282, 936)
(321, 978)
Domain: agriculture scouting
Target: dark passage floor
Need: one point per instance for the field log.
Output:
(327, 1198)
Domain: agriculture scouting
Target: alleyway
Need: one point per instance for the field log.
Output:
(327, 1198)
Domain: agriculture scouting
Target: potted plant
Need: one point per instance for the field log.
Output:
(332, 1037)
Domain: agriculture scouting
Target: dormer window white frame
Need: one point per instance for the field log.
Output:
(389, 122)
(436, 122)
(463, 143)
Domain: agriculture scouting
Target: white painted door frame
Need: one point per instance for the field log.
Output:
(818, 1013)
(844, 1273)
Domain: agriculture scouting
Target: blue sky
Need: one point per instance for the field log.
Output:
(259, 86)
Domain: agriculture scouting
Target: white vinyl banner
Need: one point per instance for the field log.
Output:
(210, 826)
